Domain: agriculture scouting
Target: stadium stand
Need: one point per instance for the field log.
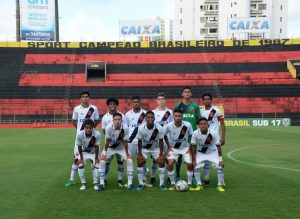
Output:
(42, 84)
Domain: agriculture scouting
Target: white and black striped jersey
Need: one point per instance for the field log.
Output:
(178, 136)
(88, 143)
(117, 136)
(163, 117)
(134, 120)
(81, 113)
(107, 120)
(150, 137)
(206, 143)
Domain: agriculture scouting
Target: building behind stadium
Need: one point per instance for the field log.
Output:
(230, 19)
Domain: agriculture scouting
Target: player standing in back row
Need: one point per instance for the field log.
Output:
(191, 114)
(81, 112)
(163, 116)
(215, 117)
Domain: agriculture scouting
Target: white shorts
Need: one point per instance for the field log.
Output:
(88, 156)
(213, 157)
(132, 148)
(174, 154)
(148, 153)
(111, 152)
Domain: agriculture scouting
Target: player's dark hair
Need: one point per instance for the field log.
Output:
(186, 87)
(117, 114)
(206, 95)
(177, 110)
(135, 98)
(88, 122)
(84, 92)
(149, 112)
(161, 94)
(112, 100)
(203, 119)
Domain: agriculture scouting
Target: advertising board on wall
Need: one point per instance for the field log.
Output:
(249, 25)
(139, 28)
(37, 20)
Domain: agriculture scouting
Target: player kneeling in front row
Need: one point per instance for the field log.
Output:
(208, 148)
(177, 135)
(116, 142)
(88, 142)
(150, 143)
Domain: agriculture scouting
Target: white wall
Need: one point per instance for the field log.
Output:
(187, 17)
(276, 14)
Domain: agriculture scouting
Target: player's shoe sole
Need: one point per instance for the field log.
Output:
(70, 183)
(220, 189)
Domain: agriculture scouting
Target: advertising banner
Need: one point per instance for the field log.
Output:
(144, 28)
(258, 122)
(249, 25)
(37, 20)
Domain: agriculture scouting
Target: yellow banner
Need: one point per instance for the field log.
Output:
(157, 44)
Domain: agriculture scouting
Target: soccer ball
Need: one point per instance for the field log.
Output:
(181, 186)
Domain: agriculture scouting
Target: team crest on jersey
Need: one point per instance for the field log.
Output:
(192, 110)
(211, 115)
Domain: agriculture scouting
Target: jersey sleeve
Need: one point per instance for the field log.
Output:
(216, 139)
(96, 114)
(103, 123)
(194, 138)
(190, 129)
(108, 133)
(176, 105)
(124, 120)
(160, 132)
(98, 138)
(166, 130)
(139, 134)
(126, 134)
(197, 110)
(219, 114)
(171, 118)
(75, 115)
(127, 119)
(79, 139)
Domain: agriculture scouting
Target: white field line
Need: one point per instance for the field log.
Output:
(230, 156)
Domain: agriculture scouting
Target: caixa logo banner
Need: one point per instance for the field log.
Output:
(140, 28)
(249, 25)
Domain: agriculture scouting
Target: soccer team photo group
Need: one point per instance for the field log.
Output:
(166, 138)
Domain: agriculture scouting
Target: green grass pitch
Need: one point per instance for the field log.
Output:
(262, 174)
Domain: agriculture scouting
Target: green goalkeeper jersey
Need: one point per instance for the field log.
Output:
(190, 112)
